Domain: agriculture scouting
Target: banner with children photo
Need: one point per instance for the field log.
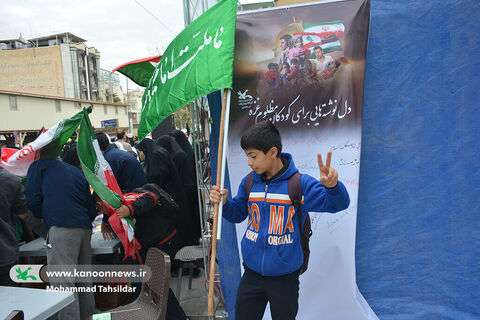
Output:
(302, 68)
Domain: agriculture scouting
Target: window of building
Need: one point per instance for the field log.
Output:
(105, 109)
(13, 103)
(125, 109)
(116, 109)
(58, 106)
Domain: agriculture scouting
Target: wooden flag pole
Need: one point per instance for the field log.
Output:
(213, 253)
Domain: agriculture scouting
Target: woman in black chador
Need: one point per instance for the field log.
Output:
(187, 178)
(160, 170)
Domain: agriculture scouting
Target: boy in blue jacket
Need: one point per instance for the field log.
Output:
(271, 246)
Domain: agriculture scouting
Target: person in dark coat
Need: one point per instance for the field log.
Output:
(154, 211)
(58, 193)
(12, 203)
(182, 141)
(160, 170)
(187, 178)
(126, 168)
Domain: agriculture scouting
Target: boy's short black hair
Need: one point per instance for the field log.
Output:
(262, 136)
(272, 65)
(71, 157)
(102, 140)
(120, 135)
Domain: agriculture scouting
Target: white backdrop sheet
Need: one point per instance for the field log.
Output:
(311, 120)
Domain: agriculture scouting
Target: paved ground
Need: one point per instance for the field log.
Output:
(194, 300)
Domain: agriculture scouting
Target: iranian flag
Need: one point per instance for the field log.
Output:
(47, 146)
(100, 176)
(326, 35)
(139, 71)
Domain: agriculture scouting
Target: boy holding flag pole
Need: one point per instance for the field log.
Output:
(197, 62)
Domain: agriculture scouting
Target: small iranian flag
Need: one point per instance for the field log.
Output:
(100, 176)
(139, 71)
(47, 146)
(326, 35)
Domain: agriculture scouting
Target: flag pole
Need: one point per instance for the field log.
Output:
(213, 253)
(224, 160)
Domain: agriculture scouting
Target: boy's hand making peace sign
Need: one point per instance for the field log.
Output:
(328, 175)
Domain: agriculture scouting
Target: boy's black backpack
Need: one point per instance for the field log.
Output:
(295, 194)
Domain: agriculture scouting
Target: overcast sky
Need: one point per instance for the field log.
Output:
(120, 29)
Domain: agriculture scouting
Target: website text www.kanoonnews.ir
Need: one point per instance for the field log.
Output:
(88, 278)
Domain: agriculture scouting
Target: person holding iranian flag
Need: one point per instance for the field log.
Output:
(154, 211)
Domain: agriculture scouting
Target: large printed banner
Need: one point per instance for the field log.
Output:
(302, 68)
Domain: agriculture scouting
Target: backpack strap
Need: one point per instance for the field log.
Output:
(248, 184)
(295, 194)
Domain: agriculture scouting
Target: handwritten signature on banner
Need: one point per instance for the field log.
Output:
(166, 74)
(312, 165)
(331, 222)
(338, 219)
(351, 162)
(350, 181)
(276, 113)
(346, 145)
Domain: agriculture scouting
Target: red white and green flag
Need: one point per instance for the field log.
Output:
(139, 71)
(197, 62)
(326, 35)
(47, 146)
(100, 176)
(97, 171)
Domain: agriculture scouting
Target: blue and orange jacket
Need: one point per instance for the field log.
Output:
(271, 244)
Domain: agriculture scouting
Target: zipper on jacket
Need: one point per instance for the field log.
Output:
(265, 229)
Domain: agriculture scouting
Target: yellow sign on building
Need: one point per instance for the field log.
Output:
(33, 70)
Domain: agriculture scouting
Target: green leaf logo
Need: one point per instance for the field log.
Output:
(23, 275)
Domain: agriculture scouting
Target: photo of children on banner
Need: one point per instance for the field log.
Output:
(305, 61)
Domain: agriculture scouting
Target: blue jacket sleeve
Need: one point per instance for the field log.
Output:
(33, 190)
(92, 210)
(318, 198)
(235, 210)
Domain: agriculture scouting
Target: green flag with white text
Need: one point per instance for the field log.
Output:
(197, 62)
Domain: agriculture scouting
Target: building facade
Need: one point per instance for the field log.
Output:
(60, 65)
(27, 113)
(110, 82)
(134, 101)
(46, 79)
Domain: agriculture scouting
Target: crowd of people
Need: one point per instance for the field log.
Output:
(297, 64)
(157, 179)
(298, 70)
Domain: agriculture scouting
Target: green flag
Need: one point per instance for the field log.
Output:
(197, 62)
(62, 131)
